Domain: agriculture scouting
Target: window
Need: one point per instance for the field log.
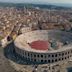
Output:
(55, 60)
(48, 61)
(56, 55)
(41, 55)
(52, 55)
(68, 56)
(28, 54)
(65, 57)
(62, 58)
(52, 61)
(45, 60)
(48, 55)
(68, 52)
(62, 54)
(71, 51)
(31, 54)
(35, 60)
(41, 60)
(34, 55)
(59, 59)
(37, 55)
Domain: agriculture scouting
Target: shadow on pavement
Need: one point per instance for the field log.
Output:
(9, 52)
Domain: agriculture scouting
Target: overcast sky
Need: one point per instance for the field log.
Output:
(38, 1)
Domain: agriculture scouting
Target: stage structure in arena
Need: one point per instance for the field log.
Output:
(51, 47)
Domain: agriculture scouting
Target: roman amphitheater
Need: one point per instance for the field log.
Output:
(44, 46)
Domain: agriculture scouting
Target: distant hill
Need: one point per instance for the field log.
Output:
(21, 5)
(63, 4)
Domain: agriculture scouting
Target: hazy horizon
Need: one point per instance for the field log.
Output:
(66, 3)
(38, 1)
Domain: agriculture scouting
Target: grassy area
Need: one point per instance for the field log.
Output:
(1, 37)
